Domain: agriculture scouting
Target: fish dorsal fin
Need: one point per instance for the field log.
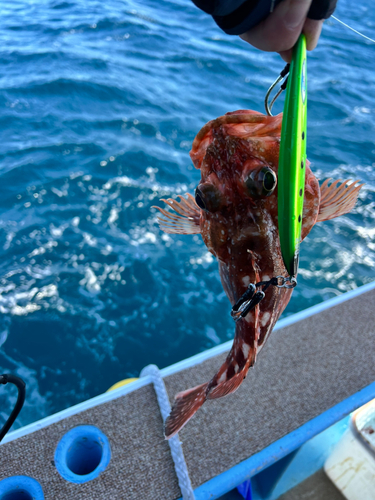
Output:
(337, 199)
(185, 223)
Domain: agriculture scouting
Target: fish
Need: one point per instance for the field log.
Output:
(235, 211)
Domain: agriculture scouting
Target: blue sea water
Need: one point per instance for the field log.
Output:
(99, 104)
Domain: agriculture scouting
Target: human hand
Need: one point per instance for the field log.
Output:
(281, 29)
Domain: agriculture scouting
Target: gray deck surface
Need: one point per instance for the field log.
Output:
(305, 369)
(316, 487)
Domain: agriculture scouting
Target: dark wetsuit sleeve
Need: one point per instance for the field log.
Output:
(238, 16)
(322, 9)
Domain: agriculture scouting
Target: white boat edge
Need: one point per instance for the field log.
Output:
(181, 365)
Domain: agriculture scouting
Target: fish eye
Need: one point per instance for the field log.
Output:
(269, 180)
(199, 199)
(261, 182)
(208, 197)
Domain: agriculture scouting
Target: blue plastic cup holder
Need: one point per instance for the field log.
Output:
(17, 495)
(20, 488)
(82, 454)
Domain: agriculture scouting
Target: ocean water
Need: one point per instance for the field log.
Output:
(99, 104)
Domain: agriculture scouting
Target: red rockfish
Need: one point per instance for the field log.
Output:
(235, 211)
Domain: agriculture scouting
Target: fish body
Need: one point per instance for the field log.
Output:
(235, 211)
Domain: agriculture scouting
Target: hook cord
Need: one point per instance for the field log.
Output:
(252, 296)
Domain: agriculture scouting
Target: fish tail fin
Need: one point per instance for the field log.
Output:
(186, 404)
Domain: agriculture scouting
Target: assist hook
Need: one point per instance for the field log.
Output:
(282, 75)
(252, 296)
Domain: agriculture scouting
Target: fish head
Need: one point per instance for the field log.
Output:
(237, 194)
(238, 155)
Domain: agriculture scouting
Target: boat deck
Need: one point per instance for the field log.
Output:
(316, 487)
(316, 368)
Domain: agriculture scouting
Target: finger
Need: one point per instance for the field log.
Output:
(312, 30)
(287, 55)
(280, 30)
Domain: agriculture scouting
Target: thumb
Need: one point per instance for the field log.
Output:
(281, 29)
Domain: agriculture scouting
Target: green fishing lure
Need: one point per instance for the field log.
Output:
(292, 159)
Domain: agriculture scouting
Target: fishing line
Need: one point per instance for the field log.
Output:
(286, 71)
(355, 31)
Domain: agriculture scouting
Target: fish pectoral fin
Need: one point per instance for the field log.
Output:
(187, 222)
(186, 404)
(337, 198)
(229, 386)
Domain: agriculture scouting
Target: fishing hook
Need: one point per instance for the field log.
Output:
(282, 75)
(251, 297)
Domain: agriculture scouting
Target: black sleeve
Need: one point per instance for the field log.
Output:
(322, 9)
(238, 16)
